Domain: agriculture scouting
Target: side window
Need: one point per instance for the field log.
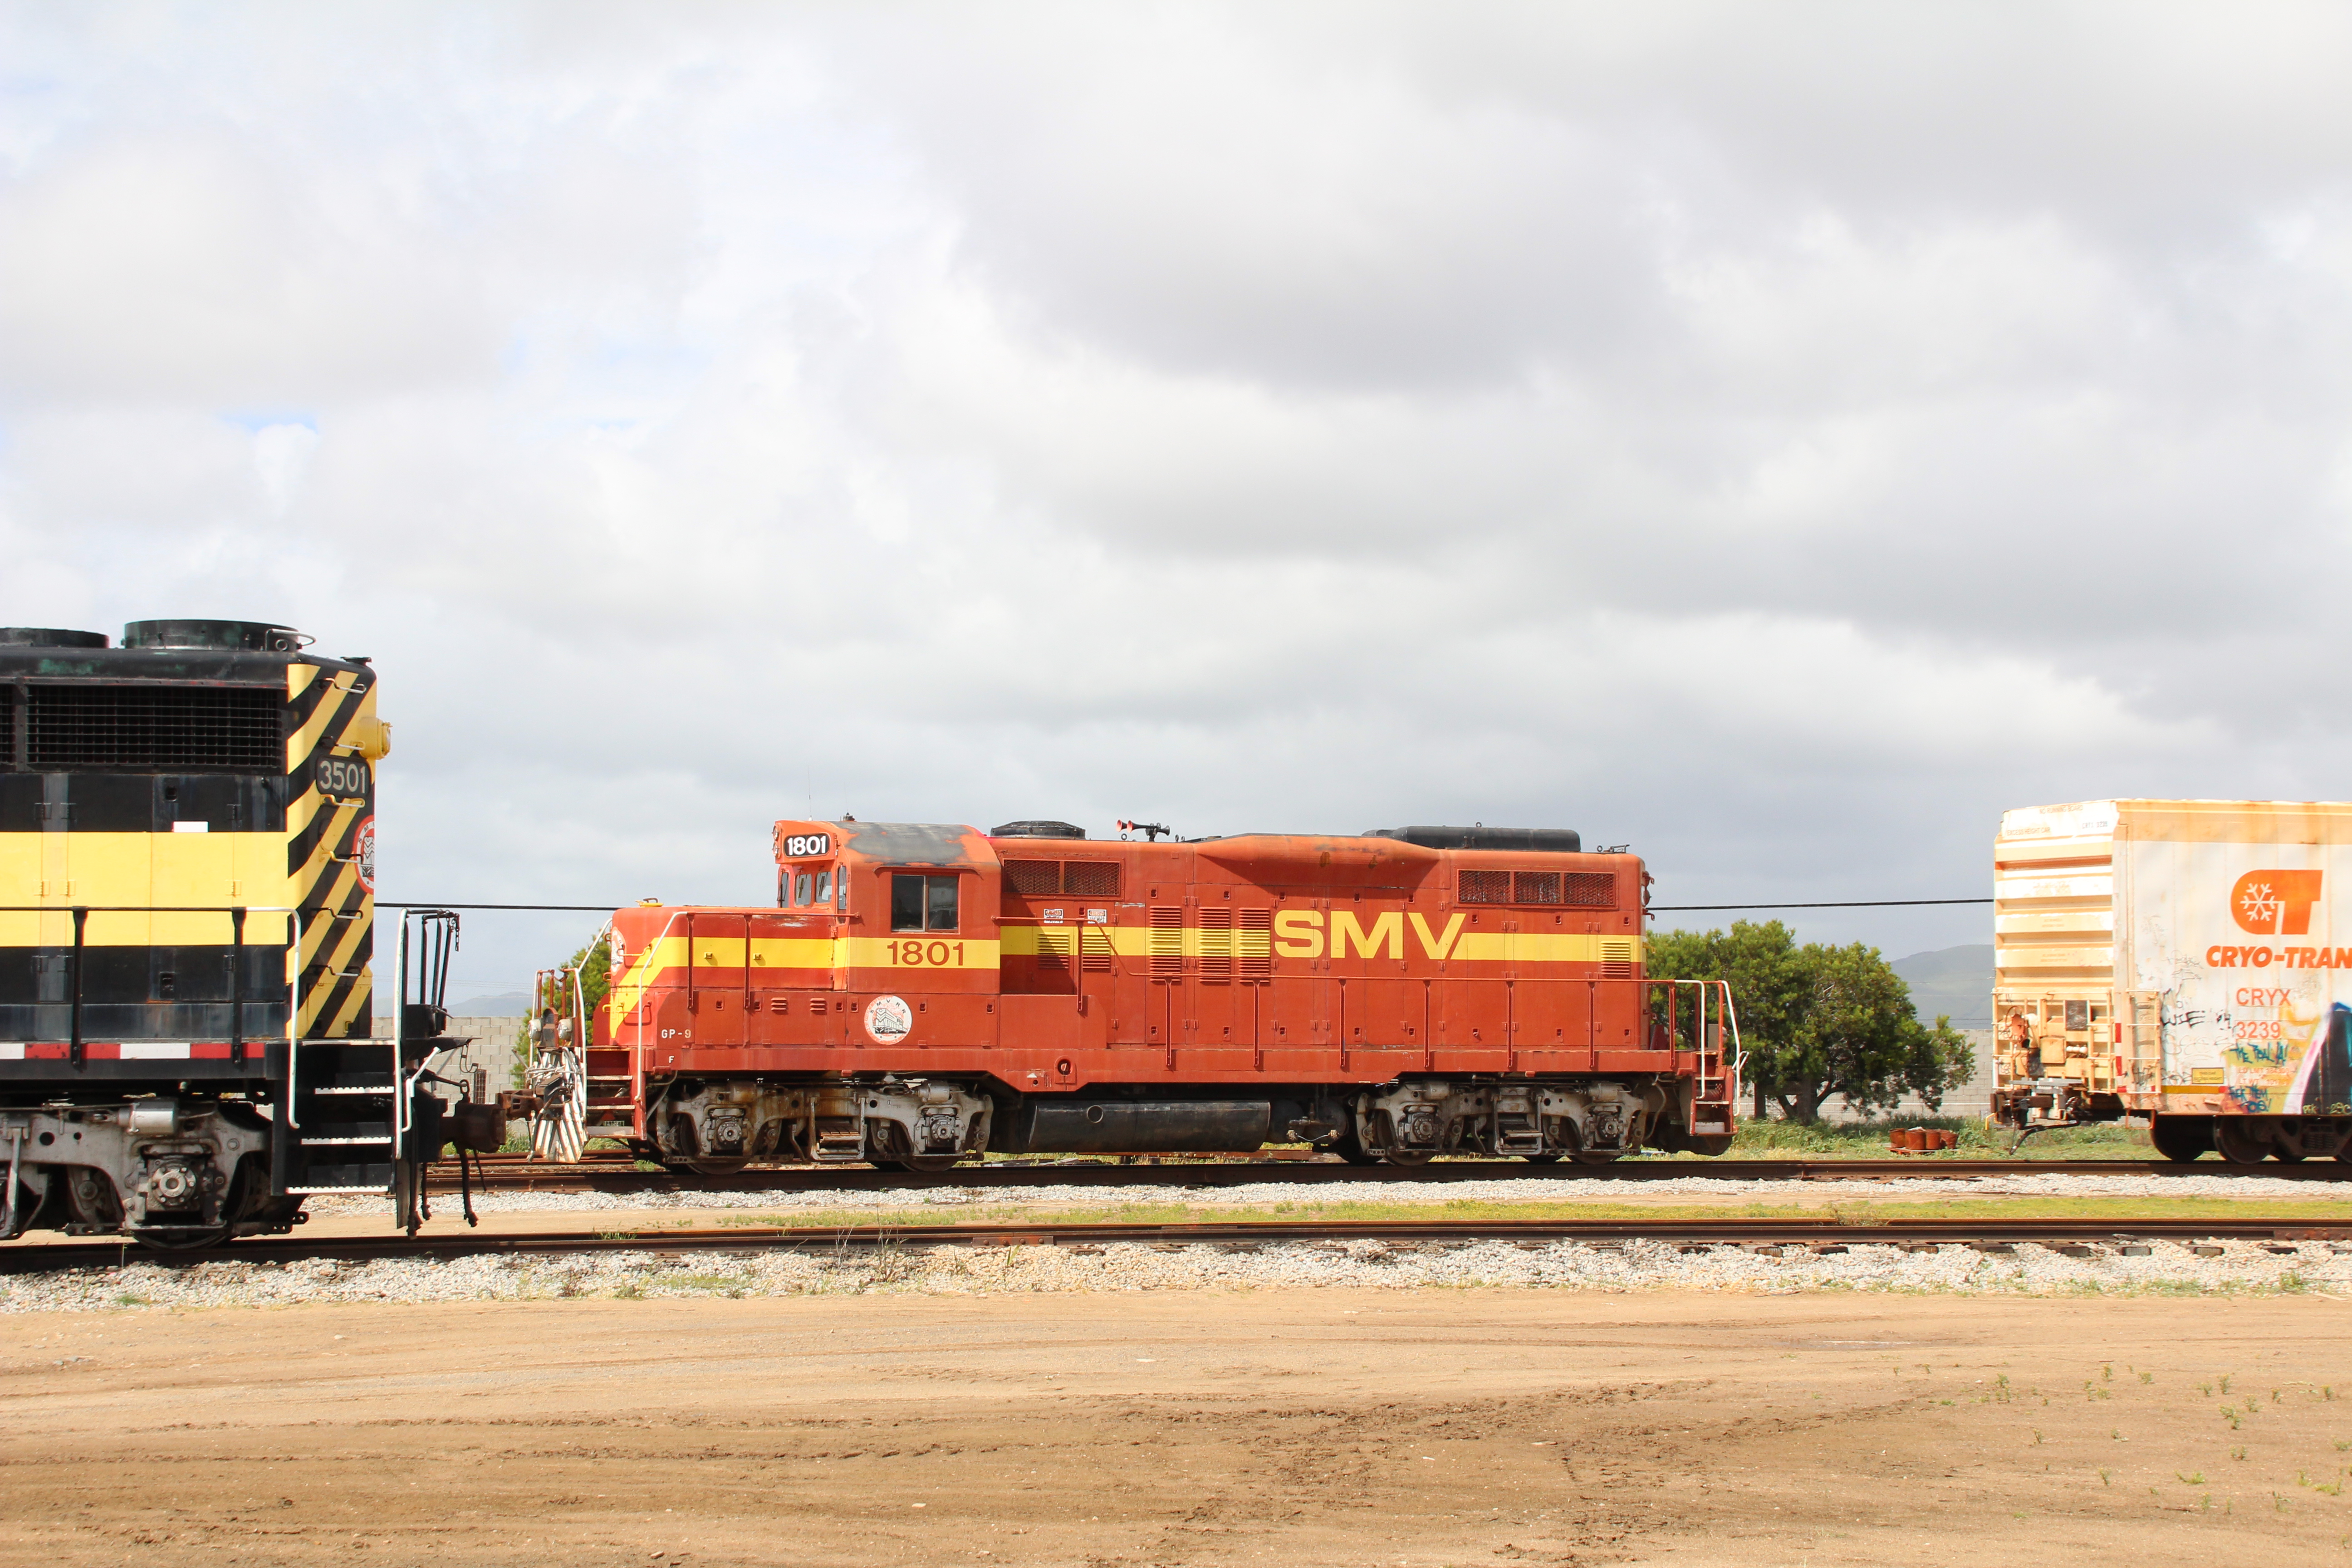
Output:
(841, 890)
(784, 886)
(801, 891)
(905, 901)
(922, 903)
(823, 886)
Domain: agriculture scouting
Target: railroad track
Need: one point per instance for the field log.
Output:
(1818, 1234)
(619, 1174)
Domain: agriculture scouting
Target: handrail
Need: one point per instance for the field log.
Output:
(399, 1048)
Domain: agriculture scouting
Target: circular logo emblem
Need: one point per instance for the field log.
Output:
(363, 853)
(890, 1020)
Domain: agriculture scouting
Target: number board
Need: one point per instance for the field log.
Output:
(343, 778)
(804, 843)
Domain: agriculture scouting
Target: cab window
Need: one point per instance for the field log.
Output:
(801, 891)
(922, 903)
(784, 887)
(823, 894)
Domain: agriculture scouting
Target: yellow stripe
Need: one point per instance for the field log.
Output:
(1475, 947)
(319, 926)
(665, 961)
(1545, 947)
(304, 740)
(322, 854)
(1132, 942)
(60, 869)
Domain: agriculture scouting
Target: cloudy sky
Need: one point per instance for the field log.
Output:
(1777, 438)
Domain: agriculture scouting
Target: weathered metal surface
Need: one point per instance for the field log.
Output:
(2179, 958)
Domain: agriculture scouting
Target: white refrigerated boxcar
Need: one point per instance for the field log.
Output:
(2186, 960)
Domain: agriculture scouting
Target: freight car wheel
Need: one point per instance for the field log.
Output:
(2181, 1139)
(1408, 1156)
(2237, 1143)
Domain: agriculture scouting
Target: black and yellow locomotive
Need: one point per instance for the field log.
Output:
(186, 935)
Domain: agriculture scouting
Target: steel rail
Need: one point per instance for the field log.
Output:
(1781, 1231)
(619, 1175)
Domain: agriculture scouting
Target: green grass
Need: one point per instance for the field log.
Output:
(1868, 1140)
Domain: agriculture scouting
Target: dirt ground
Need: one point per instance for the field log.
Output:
(1313, 1426)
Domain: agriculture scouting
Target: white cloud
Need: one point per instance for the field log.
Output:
(1779, 442)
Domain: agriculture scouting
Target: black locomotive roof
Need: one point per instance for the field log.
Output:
(176, 652)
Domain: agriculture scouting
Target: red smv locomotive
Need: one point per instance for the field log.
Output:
(922, 993)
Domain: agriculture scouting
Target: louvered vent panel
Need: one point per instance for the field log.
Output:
(1167, 941)
(1617, 958)
(1486, 888)
(1056, 945)
(1094, 948)
(1590, 889)
(1216, 947)
(154, 728)
(1090, 879)
(1254, 943)
(1534, 887)
(1033, 878)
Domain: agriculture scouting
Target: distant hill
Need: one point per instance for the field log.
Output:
(515, 1003)
(511, 1004)
(1956, 981)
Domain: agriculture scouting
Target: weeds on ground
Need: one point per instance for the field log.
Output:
(1771, 1139)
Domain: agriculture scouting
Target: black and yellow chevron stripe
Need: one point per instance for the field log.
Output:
(333, 738)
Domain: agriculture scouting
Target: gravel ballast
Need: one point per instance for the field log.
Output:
(961, 1271)
(956, 1269)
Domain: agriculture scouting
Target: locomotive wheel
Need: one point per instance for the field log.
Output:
(2237, 1143)
(181, 1240)
(915, 1162)
(714, 1167)
(1540, 1159)
(2181, 1139)
(1408, 1156)
(1351, 1148)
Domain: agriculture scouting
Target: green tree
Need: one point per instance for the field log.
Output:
(594, 963)
(1818, 1021)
